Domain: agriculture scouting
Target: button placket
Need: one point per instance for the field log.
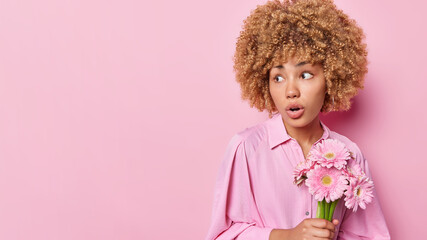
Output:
(298, 148)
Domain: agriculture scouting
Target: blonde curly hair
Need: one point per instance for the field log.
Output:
(314, 31)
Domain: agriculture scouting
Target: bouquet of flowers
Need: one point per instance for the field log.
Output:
(329, 176)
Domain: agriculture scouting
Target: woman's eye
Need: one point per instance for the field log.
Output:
(277, 78)
(305, 73)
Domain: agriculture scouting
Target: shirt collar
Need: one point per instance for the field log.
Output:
(277, 133)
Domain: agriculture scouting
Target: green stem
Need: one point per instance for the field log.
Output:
(332, 209)
(323, 210)
(326, 210)
(327, 207)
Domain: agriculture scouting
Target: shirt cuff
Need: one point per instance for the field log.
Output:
(255, 233)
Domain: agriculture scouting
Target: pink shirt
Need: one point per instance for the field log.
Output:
(254, 191)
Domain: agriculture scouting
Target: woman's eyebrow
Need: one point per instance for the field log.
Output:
(299, 64)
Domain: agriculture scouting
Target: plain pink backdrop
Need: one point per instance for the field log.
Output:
(115, 115)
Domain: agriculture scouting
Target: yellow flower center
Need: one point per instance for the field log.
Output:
(359, 191)
(330, 155)
(326, 180)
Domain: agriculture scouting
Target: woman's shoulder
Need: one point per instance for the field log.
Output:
(350, 144)
(252, 135)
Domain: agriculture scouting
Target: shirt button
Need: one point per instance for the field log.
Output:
(306, 213)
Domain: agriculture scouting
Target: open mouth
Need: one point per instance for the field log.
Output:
(295, 112)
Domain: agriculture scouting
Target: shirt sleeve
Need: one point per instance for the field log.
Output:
(234, 213)
(366, 223)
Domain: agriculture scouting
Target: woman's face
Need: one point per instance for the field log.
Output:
(298, 91)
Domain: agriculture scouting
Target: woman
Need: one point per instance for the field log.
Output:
(295, 60)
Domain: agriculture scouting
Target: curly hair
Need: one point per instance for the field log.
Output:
(312, 30)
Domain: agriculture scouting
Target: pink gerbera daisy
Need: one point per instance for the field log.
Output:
(330, 152)
(301, 170)
(359, 193)
(354, 170)
(326, 183)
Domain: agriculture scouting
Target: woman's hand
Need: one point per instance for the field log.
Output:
(309, 228)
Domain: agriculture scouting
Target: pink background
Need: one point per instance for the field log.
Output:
(115, 115)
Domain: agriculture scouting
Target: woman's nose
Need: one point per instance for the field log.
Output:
(292, 90)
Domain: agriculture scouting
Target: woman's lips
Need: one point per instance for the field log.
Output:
(295, 114)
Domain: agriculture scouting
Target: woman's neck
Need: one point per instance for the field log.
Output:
(306, 135)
